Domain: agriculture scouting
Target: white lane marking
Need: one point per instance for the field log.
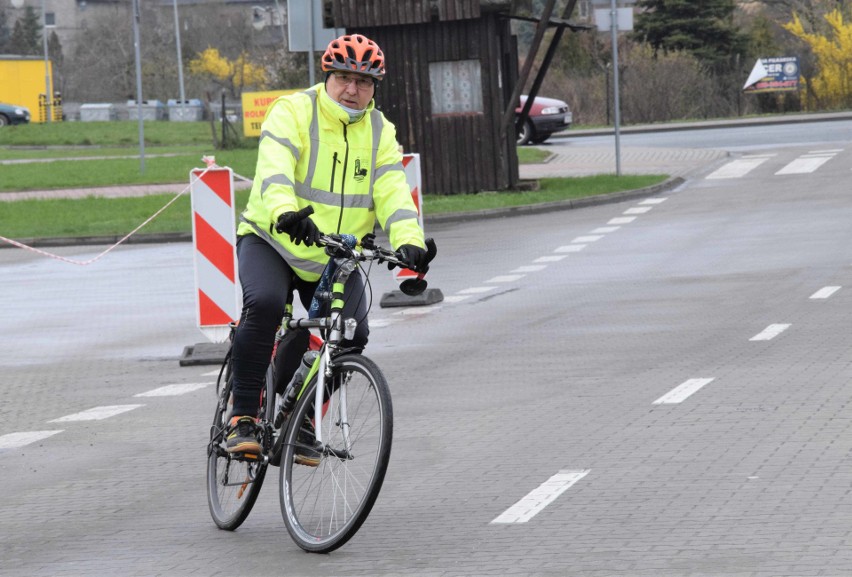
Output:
(737, 168)
(381, 323)
(587, 238)
(211, 374)
(476, 290)
(825, 292)
(539, 498)
(16, 440)
(529, 268)
(638, 210)
(449, 299)
(622, 220)
(654, 200)
(417, 311)
(97, 413)
(174, 390)
(506, 278)
(683, 391)
(831, 151)
(556, 258)
(605, 229)
(770, 332)
(570, 248)
(804, 165)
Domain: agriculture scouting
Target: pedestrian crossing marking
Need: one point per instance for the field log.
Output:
(804, 164)
(737, 168)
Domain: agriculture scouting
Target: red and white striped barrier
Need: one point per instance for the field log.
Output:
(411, 166)
(214, 236)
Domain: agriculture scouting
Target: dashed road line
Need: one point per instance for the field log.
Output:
(770, 332)
(539, 498)
(174, 390)
(96, 413)
(587, 238)
(683, 391)
(825, 292)
(550, 258)
(505, 278)
(605, 229)
(17, 440)
(622, 220)
(475, 290)
(570, 248)
(529, 268)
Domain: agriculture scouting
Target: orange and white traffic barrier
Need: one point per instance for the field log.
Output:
(411, 166)
(214, 237)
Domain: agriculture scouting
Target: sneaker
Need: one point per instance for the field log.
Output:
(242, 436)
(308, 449)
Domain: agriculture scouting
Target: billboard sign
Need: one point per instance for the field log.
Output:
(774, 75)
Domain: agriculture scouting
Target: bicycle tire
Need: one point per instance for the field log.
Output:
(231, 502)
(324, 506)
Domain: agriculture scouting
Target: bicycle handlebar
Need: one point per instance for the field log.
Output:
(368, 251)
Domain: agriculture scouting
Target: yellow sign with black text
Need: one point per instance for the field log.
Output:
(254, 108)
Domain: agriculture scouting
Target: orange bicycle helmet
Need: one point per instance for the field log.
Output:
(354, 53)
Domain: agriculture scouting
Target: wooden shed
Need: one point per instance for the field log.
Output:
(452, 66)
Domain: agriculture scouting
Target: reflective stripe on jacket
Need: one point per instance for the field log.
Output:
(351, 173)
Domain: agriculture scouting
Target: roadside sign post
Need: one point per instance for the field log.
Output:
(613, 19)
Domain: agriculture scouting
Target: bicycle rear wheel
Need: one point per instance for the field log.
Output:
(233, 483)
(324, 506)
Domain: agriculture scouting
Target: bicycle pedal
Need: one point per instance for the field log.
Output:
(251, 457)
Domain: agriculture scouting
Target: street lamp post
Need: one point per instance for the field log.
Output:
(47, 95)
(180, 63)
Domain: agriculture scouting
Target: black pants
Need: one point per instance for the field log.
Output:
(267, 279)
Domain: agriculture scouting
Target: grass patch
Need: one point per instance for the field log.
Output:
(112, 133)
(551, 189)
(122, 171)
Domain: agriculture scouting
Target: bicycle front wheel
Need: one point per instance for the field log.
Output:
(324, 505)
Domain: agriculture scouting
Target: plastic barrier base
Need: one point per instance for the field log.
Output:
(399, 299)
(204, 354)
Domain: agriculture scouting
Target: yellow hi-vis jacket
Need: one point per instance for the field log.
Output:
(350, 173)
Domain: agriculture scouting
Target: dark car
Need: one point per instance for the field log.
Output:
(546, 116)
(10, 114)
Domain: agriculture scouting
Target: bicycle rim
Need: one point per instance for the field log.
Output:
(324, 506)
(232, 485)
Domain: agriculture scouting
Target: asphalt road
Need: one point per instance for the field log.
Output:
(673, 371)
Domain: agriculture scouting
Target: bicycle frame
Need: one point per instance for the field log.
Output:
(339, 328)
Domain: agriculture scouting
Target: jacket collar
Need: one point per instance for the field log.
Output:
(330, 109)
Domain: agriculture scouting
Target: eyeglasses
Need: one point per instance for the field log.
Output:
(361, 82)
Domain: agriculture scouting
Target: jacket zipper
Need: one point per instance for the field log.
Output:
(343, 180)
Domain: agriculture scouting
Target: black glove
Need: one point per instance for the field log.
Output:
(301, 230)
(414, 257)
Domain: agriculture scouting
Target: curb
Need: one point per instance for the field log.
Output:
(490, 213)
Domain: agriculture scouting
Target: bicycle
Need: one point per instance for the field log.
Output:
(335, 414)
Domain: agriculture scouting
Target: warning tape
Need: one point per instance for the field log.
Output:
(210, 165)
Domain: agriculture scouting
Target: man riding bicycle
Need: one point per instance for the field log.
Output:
(328, 148)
